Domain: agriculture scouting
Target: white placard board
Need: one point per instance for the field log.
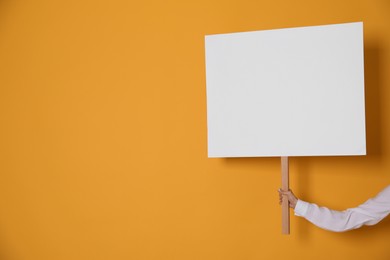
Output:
(286, 92)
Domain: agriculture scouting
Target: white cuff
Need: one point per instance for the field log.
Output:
(301, 208)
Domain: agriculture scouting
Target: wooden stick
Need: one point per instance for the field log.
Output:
(285, 206)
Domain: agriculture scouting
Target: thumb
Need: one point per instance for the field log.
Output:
(284, 192)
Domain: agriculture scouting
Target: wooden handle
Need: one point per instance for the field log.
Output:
(285, 206)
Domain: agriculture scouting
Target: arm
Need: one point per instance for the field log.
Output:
(368, 213)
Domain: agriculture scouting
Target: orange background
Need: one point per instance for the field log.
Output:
(103, 145)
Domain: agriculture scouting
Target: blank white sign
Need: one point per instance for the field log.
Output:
(286, 92)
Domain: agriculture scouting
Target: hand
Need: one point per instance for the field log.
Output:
(288, 195)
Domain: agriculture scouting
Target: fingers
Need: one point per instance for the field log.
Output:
(282, 195)
(285, 195)
(289, 196)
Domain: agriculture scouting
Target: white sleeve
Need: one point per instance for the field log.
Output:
(368, 213)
